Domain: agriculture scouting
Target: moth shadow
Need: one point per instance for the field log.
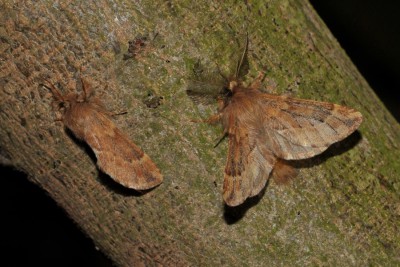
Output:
(335, 149)
(104, 178)
(234, 214)
(120, 189)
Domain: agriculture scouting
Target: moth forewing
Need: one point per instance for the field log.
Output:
(301, 128)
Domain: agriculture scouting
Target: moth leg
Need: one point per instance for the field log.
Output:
(210, 120)
(213, 119)
(220, 140)
(271, 86)
(256, 84)
(118, 113)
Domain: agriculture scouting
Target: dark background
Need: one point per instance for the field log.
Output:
(35, 231)
(369, 31)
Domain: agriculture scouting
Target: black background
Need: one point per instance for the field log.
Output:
(369, 31)
(35, 231)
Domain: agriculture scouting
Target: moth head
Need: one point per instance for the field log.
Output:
(61, 102)
(232, 84)
(63, 106)
(225, 95)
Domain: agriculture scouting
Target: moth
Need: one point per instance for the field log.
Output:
(266, 131)
(86, 117)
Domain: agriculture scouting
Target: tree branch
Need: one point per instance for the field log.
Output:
(343, 210)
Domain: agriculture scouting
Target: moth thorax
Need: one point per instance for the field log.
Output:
(232, 84)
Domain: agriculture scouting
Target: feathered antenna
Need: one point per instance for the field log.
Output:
(243, 59)
(56, 93)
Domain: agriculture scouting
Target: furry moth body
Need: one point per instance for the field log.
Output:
(86, 117)
(266, 130)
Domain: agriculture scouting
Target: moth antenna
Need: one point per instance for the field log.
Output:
(240, 63)
(56, 93)
(84, 87)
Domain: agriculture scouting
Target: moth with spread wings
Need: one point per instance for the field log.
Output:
(265, 130)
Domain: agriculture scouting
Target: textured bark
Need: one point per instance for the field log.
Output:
(343, 209)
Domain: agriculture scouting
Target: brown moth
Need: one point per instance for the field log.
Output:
(266, 130)
(116, 155)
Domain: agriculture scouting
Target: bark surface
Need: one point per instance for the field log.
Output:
(343, 210)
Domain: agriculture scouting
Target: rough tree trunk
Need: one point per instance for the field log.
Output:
(344, 208)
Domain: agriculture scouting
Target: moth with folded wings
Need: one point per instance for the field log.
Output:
(87, 118)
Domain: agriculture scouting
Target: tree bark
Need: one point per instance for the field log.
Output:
(343, 209)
